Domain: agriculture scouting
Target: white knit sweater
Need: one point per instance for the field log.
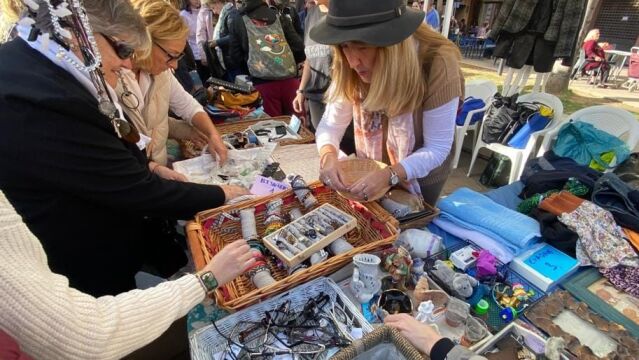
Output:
(50, 320)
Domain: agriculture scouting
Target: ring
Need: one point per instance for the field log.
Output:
(365, 197)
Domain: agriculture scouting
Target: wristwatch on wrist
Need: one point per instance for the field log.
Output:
(394, 178)
(208, 280)
(299, 91)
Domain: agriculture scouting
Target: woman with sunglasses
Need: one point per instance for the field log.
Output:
(149, 91)
(82, 185)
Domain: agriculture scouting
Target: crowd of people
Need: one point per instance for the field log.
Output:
(87, 196)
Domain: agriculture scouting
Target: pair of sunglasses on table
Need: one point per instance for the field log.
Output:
(125, 51)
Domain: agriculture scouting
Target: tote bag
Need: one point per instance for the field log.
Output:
(584, 143)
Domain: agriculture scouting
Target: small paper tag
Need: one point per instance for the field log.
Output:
(295, 124)
(266, 186)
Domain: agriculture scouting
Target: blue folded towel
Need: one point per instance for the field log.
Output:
(475, 211)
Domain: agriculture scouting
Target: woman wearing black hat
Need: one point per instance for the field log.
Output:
(400, 83)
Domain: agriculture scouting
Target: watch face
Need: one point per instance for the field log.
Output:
(209, 281)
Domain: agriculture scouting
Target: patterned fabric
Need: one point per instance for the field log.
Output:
(602, 242)
(369, 137)
(624, 278)
(270, 56)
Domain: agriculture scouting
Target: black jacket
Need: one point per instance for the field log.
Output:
(239, 46)
(82, 191)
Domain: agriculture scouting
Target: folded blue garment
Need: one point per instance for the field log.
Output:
(475, 211)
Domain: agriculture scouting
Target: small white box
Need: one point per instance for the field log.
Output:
(463, 258)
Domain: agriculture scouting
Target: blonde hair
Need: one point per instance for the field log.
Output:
(591, 35)
(397, 85)
(163, 23)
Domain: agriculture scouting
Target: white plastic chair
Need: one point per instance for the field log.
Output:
(480, 89)
(614, 121)
(518, 157)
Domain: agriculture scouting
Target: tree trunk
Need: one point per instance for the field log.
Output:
(560, 76)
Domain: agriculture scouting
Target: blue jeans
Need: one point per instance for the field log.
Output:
(612, 194)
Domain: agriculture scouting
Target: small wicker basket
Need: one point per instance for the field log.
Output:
(214, 229)
(354, 169)
(189, 150)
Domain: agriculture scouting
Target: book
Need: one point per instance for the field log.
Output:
(544, 266)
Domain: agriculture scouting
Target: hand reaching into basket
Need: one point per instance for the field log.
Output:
(329, 169)
(370, 185)
(421, 335)
(232, 261)
(233, 191)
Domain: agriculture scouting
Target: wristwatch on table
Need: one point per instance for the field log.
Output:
(208, 280)
(394, 179)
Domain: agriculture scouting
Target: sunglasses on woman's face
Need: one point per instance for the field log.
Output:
(171, 57)
(122, 49)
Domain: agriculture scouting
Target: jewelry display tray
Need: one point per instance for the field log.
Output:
(317, 245)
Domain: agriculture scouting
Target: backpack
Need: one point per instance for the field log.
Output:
(470, 104)
(270, 56)
(499, 118)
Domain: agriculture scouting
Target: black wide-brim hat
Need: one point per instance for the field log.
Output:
(373, 22)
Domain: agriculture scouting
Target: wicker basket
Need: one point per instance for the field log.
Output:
(400, 347)
(420, 219)
(207, 235)
(354, 169)
(206, 342)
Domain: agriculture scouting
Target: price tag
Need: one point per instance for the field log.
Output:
(266, 186)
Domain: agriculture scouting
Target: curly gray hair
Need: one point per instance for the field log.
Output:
(115, 18)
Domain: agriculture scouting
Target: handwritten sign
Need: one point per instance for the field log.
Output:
(267, 186)
(550, 262)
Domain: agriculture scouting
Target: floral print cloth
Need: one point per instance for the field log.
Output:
(602, 242)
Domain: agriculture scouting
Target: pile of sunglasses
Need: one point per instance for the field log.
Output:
(319, 327)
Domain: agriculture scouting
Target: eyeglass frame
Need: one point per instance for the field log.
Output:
(172, 57)
(118, 46)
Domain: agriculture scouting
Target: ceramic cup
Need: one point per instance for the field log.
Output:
(367, 264)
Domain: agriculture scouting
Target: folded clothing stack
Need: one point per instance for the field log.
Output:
(472, 210)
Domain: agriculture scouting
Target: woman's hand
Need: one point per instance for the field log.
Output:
(168, 174)
(216, 146)
(232, 261)
(422, 336)
(370, 184)
(233, 191)
(298, 103)
(329, 172)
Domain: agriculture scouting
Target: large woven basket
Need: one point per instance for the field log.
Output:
(354, 169)
(402, 349)
(214, 229)
(189, 150)
(207, 342)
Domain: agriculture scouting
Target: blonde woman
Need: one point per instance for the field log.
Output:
(400, 82)
(149, 91)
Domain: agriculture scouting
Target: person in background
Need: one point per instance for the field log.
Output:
(150, 91)
(307, 4)
(403, 115)
(483, 30)
(268, 48)
(415, 5)
(206, 21)
(189, 13)
(50, 319)
(432, 16)
(284, 8)
(427, 340)
(316, 74)
(463, 28)
(596, 61)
